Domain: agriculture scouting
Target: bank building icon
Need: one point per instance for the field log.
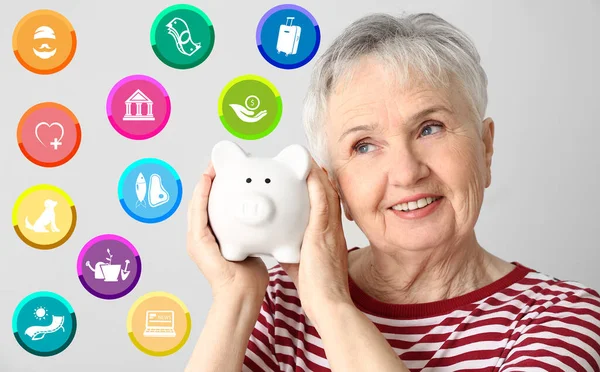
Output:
(139, 99)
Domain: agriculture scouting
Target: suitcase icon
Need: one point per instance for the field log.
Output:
(289, 37)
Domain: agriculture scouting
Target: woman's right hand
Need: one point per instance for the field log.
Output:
(249, 277)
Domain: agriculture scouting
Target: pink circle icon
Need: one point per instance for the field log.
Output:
(138, 107)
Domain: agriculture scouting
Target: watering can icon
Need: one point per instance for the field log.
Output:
(108, 271)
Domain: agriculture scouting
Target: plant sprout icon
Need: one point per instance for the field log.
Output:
(111, 256)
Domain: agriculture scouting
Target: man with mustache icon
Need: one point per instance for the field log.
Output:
(44, 41)
(44, 51)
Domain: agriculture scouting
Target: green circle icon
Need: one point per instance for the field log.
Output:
(250, 107)
(182, 36)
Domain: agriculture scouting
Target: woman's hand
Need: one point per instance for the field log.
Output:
(249, 277)
(321, 277)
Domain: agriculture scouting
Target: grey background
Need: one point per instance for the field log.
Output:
(542, 208)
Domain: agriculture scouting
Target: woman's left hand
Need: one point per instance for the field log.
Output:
(321, 277)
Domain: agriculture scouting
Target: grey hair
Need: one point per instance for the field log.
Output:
(425, 43)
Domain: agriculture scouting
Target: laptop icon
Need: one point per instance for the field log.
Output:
(160, 323)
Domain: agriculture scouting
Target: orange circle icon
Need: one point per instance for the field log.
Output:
(159, 324)
(44, 41)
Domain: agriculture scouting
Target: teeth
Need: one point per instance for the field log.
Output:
(411, 206)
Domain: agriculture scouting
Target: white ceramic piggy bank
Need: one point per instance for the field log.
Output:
(259, 206)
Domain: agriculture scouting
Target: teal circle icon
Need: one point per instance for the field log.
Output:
(44, 323)
(182, 36)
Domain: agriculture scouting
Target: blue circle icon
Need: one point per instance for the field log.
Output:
(288, 36)
(44, 323)
(150, 190)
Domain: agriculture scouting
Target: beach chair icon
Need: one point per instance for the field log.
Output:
(38, 332)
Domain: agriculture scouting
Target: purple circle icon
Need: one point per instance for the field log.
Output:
(138, 107)
(109, 266)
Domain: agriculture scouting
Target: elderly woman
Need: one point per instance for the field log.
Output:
(395, 115)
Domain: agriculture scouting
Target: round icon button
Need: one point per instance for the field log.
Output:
(159, 324)
(49, 134)
(250, 107)
(44, 217)
(150, 190)
(288, 36)
(109, 266)
(138, 107)
(44, 41)
(44, 323)
(182, 36)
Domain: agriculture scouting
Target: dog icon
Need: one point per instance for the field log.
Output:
(48, 217)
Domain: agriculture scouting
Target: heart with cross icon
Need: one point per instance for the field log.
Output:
(49, 136)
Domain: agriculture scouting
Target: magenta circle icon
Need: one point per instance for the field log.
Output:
(109, 266)
(138, 107)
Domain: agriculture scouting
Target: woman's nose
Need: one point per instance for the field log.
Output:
(406, 168)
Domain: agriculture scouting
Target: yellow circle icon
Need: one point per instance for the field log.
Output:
(159, 324)
(44, 41)
(44, 217)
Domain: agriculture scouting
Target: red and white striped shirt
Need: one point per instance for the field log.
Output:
(525, 321)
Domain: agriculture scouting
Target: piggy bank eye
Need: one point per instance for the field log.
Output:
(248, 180)
(267, 180)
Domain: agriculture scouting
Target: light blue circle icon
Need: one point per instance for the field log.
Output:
(288, 36)
(44, 323)
(150, 190)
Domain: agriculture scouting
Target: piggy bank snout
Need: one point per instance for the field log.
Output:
(255, 209)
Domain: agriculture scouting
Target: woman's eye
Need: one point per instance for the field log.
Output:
(428, 129)
(362, 148)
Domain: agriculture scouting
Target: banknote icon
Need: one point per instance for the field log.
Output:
(180, 31)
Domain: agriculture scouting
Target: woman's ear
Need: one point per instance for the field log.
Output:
(226, 152)
(338, 190)
(297, 158)
(488, 143)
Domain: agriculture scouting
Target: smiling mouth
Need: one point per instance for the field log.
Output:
(415, 205)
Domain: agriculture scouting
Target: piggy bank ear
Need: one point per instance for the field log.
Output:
(226, 152)
(297, 158)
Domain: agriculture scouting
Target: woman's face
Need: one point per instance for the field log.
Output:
(387, 145)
